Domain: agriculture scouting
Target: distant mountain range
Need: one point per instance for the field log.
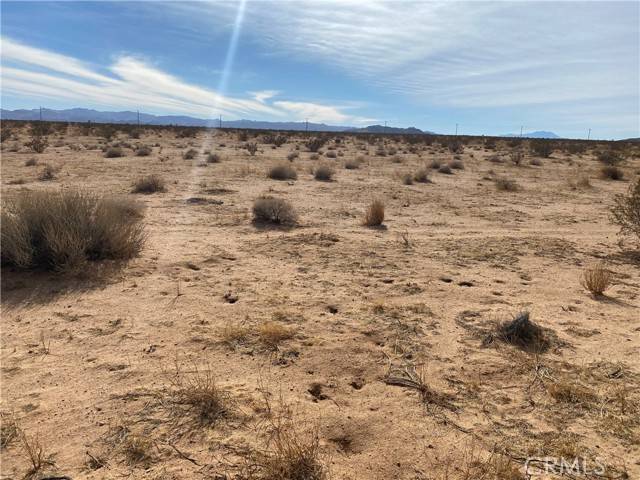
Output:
(88, 115)
(537, 134)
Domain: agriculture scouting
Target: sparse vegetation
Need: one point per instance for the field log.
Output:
(149, 184)
(596, 279)
(374, 215)
(143, 151)
(282, 172)
(114, 152)
(324, 173)
(610, 172)
(274, 210)
(63, 230)
(47, 174)
(190, 154)
(506, 185)
(626, 211)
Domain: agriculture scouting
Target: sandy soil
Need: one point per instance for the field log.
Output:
(87, 363)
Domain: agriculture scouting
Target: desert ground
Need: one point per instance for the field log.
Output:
(358, 352)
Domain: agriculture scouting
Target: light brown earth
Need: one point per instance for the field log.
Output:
(84, 360)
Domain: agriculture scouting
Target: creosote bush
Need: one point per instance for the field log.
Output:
(626, 211)
(63, 230)
(374, 215)
(149, 184)
(324, 173)
(506, 185)
(190, 154)
(143, 151)
(596, 279)
(48, 173)
(422, 176)
(282, 172)
(114, 152)
(213, 158)
(542, 148)
(611, 172)
(274, 210)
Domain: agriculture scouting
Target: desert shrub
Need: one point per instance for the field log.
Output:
(455, 146)
(582, 182)
(62, 230)
(435, 164)
(536, 162)
(374, 215)
(190, 154)
(251, 147)
(331, 154)
(381, 152)
(291, 156)
(324, 173)
(516, 157)
(243, 136)
(609, 157)
(149, 184)
(575, 148)
(273, 210)
(422, 176)
(5, 134)
(143, 151)
(48, 173)
(446, 169)
(522, 332)
(596, 279)
(396, 159)
(407, 179)
(495, 158)
(352, 164)
(272, 334)
(106, 131)
(626, 211)
(506, 185)
(38, 142)
(315, 144)
(611, 172)
(282, 172)
(32, 162)
(213, 158)
(542, 148)
(456, 165)
(114, 152)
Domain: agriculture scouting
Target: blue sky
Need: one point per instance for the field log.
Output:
(488, 66)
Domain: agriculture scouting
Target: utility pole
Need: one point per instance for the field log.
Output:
(521, 131)
(456, 129)
(589, 135)
(40, 113)
(220, 121)
(138, 118)
(385, 126)
(306, 125)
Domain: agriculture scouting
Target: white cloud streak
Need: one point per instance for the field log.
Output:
(34, 72)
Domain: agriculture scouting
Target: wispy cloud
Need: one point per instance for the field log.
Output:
(134, 83)
(458, 54)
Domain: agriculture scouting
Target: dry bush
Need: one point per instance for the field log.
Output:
(374, 215)
(542, 148)
(143, 151)
(435, 164)
(32, 162)
(456, 165)
(581, 183)
(149, 184)
(37, 144)
(407, 179)
(455, 146)
(252, 148)
(596, 279)
(506, 185)
(291, 156)
(36, 455)
(422, 176)
(352, 164)
(195, 399)
(273, 210)
(516, 157)
(609, 157)
(282, 172)
(8, 430)
(324, 173)
(611, 172)
(446, 169)
(568, 391)
(272, 334)
(190, 154)
(136, 449)
(331, 154)
(47, 174)
(536, 162)
(213, 158)
(114, 152)
(315, 144)
(522, 332)
(233, 335)
(63, 230)
(625, 211)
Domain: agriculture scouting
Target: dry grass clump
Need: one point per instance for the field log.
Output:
(36, 455)
(114, 152)
(580, 183)
(542, 148)
(407, 179)
(190, 154)
(136, 449)
(331, 154)
(626, 211)
(564, 390)
(352, 164)
(324, 173)
(446, 169)
(272, 334)
(422, 176)
(47, 174)
(435, 164)
(149, 184)
(233, 335)
(506, 185)
(8, 430)
(32, 162)
(282, 172)
(374, 215)
(291, 156)
(63, 230)
(456, 165)
(213, 158)
(609, 157)
(596, 279)
(522, 332)
(535, 162)
(610, 172)
(143, 151)
(274, 210)
(194, 397)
